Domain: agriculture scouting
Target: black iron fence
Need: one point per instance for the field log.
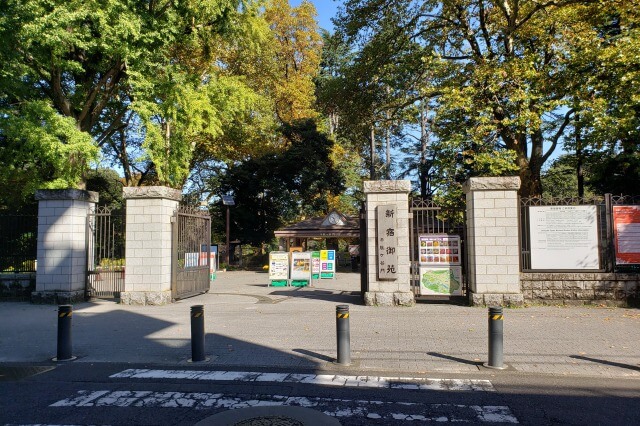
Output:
(427, 217)
(604, 217)
(18, 242)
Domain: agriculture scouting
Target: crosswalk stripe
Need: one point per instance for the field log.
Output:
(334, 407)
(411, 383)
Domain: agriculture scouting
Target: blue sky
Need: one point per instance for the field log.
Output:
(327, 9)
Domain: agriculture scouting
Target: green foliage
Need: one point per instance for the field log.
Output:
(517, 76)
(40, 148)
(108, 184)
(275, 189)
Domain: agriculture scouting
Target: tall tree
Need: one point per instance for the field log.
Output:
(135, 77)
(496, 71)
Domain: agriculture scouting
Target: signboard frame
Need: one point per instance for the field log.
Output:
(439, 250)
(300, 273)
(564, 237)
(327, 264)
(453, 271)
(279, 268)
(626, 234)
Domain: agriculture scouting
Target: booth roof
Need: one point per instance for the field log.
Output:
(320, 228)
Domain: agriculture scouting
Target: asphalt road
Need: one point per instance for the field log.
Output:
(125, 394)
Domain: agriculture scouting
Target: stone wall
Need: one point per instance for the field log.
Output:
(492, 241)
(150, 210)
(397, 291)
(576, 289)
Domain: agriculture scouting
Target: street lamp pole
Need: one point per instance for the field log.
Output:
(228, 242)
(228, 201)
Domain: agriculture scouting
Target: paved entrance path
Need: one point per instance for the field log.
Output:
(251, 325)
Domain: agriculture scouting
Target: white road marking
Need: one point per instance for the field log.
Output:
(416, 383)
(330, 406)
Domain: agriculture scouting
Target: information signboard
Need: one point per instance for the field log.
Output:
(564, 237)
(327, 264)
(387, 241)
(439, 250)
(315, 265)
(279, 267)
(441, 281)
(626, 228)
(300, 268)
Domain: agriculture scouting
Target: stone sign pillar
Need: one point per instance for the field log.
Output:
(62, 245)
(388, 259)
(150, 210)
(493, 245)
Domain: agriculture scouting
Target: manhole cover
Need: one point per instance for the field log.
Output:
(270, 416)
(270, 421)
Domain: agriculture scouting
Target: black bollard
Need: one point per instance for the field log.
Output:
(343, 333)
(64, 333)
(197, 333)
(495, 337)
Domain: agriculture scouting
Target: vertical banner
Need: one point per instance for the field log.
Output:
(387, 241)
(327, 264)
(300, 269)
(626, 231)
(279, 268)
(315, 265)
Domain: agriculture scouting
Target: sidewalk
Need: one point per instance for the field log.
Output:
(250, 325)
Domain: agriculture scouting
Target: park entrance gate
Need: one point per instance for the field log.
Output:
(428, 218)
(190, 252)
(105, 253)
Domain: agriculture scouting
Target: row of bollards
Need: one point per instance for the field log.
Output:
(343, 334)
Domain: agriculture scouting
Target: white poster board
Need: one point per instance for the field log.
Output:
(301, 266)
(441, 281)
(564, 237)
(278, 265)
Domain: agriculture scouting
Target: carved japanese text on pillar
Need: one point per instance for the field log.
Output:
(387, 241)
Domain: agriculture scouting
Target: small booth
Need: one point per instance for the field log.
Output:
(297, 241)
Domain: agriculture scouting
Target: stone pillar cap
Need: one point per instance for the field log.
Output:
(491, 183)
(152, 192)
(371, 186)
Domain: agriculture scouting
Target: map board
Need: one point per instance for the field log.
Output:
(441, 281)
(626, 228)
(564, 237)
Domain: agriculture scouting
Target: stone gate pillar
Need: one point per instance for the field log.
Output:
(388, 259)
(62, 244)
(493, 245)
(150, 210)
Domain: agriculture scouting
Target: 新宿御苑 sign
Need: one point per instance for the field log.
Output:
(387, 241)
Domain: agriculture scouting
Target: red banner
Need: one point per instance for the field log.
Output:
(626, 228)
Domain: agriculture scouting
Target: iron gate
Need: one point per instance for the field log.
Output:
(191, 252)
(105, 253)
(426, 217)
